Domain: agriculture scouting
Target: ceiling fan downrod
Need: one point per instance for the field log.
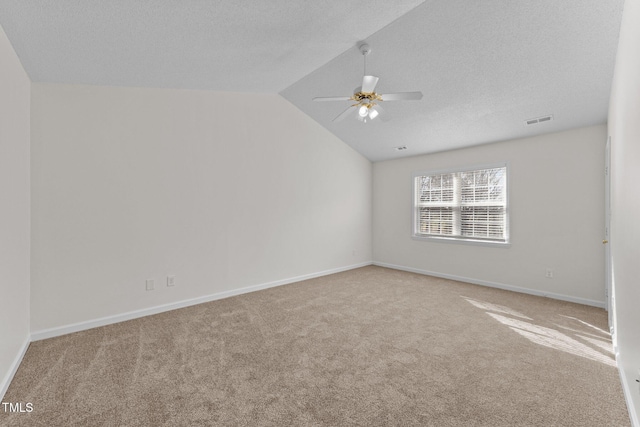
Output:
(365, 50)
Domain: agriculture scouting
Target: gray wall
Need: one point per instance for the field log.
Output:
(221, 190)
(14, 211)
(556, 193)
(624, 129)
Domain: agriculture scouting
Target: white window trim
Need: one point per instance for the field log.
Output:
(461, 240)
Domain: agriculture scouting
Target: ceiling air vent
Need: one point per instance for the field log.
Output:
(402, 148)
(538, 120)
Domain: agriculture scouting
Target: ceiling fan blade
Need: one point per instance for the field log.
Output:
(369, 84)
(402, 96)
(345, 113)
(332, 98)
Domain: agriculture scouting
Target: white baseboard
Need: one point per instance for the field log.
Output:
(103, 321)
(627, 384)
(584, 301)
(4, 385)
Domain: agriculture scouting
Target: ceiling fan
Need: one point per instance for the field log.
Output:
(365, 97)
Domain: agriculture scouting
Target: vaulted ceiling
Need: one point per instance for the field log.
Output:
(484, 67)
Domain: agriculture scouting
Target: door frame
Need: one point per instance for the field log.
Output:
(608, 266)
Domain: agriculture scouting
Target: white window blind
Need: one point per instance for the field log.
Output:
(462, 205)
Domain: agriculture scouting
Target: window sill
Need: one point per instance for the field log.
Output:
(462, 241)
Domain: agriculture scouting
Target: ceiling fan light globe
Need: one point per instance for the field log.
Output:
(363, 111)
(373, 114)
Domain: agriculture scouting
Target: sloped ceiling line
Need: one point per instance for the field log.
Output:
(484, 67)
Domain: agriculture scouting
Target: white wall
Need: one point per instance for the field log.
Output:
(549, 228)
(624, 129)
(222, 190)
(14, 210)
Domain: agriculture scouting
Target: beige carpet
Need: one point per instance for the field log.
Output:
(367, 347)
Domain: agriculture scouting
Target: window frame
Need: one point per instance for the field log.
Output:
(461, 239)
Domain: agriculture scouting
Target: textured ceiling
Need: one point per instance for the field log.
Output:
(239, 45)
(484, 66)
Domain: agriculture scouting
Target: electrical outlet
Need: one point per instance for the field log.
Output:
(150, 284)
(171, 280)
(549, 273)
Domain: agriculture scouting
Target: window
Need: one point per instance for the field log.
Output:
(467, 205)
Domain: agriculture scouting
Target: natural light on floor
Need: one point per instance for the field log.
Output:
(594, 347)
